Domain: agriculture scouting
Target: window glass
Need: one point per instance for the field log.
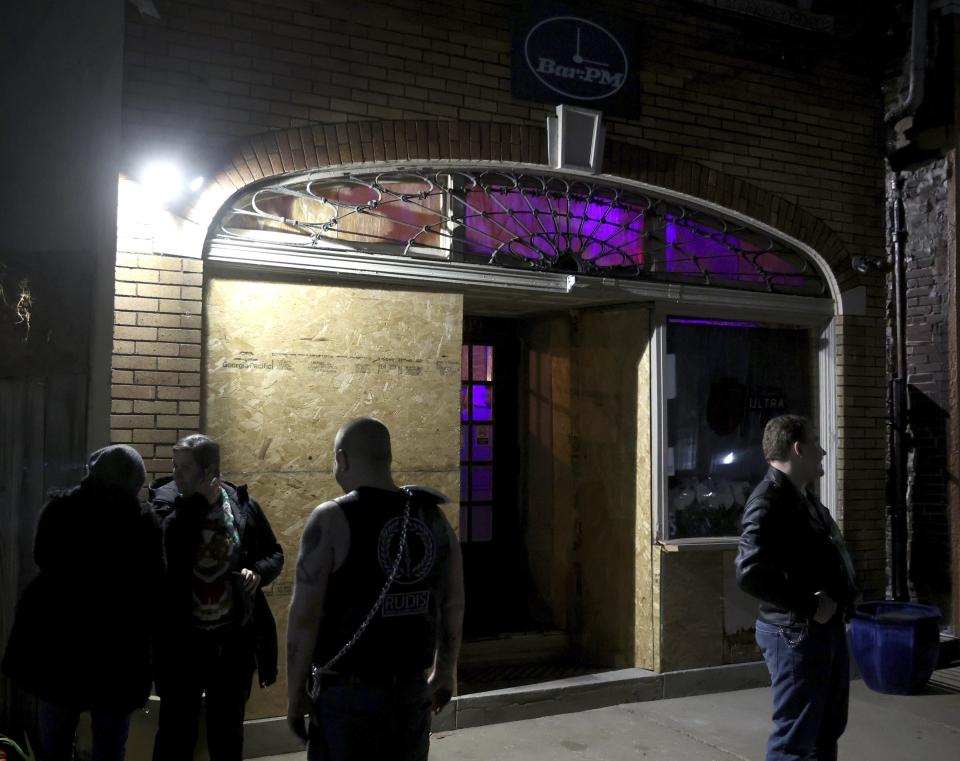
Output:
(723, 380)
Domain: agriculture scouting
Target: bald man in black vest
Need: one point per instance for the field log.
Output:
(377, 611)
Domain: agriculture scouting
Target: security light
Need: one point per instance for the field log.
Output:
(163, 180)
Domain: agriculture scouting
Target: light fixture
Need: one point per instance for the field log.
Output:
(728, 460)
(865, 264)
(195, 184)
(575, 138)
(163, 180)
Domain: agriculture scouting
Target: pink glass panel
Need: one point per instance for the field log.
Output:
(482, 363)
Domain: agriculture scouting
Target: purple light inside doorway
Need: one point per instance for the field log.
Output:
(482, 402)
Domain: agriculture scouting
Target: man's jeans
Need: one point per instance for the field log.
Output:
(367, 721)
(810, 673)
(58, 729)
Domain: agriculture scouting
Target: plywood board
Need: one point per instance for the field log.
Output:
(287, 364)
(608, 389)
(646, 590)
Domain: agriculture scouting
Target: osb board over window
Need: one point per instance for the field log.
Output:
(287, 364)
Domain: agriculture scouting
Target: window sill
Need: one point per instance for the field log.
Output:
(716, 544)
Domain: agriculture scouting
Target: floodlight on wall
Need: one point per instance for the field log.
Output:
(163, 180)
(165, 183)
(575, 139)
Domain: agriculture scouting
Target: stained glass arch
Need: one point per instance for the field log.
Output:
(518, 219)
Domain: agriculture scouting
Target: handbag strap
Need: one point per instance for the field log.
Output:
(383, 592)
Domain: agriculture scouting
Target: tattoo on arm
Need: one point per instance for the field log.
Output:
(309, 567)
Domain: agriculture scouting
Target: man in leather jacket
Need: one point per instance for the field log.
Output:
(792, 558)
(219, 552)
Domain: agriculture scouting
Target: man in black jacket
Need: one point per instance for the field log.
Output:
(219, 552)
(793, 559)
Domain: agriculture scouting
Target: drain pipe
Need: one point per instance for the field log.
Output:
(918, 61)
(898, 394)
(899, 422)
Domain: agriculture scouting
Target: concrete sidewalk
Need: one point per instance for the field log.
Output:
(720, 727)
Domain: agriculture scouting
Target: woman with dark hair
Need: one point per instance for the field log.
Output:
(81, 640)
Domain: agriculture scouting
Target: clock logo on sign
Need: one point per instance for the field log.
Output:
(576, 58)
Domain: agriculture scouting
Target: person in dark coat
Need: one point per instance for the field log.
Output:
(219, 553)
(793, 559)
(81, 641)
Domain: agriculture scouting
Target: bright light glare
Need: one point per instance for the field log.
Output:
(728, 459)
(163, 180)
(195, 184)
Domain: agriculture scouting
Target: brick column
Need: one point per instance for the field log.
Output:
(156, 354)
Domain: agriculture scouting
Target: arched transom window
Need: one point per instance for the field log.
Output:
(521, 220)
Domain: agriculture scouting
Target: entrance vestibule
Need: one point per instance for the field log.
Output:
(527, 384)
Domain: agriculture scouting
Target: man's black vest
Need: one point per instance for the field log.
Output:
(402, 636)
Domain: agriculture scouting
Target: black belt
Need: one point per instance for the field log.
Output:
(389, 679)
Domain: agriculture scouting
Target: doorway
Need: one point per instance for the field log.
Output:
(490, 451)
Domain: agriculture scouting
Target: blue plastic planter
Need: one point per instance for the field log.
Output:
(895, 645)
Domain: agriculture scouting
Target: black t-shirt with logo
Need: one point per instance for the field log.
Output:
(402, 636)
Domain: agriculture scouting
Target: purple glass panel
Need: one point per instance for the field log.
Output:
(464, 484)
(465, 442)
(537, 227)
(481, 524)
(482, 440)
(481, 483)
(481, 403)
(482, 363)
(464, 402)
(464, 524)
(464, 366)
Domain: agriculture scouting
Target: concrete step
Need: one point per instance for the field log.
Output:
(517, 648)
(267, 737)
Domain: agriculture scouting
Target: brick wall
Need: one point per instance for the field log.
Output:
(156, 354)
(861, 462)
(211, 72)
(925, 192)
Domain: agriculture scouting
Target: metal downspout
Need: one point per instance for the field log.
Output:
(918, 61)
(898, 395)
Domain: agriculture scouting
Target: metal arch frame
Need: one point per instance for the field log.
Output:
(368, 175)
